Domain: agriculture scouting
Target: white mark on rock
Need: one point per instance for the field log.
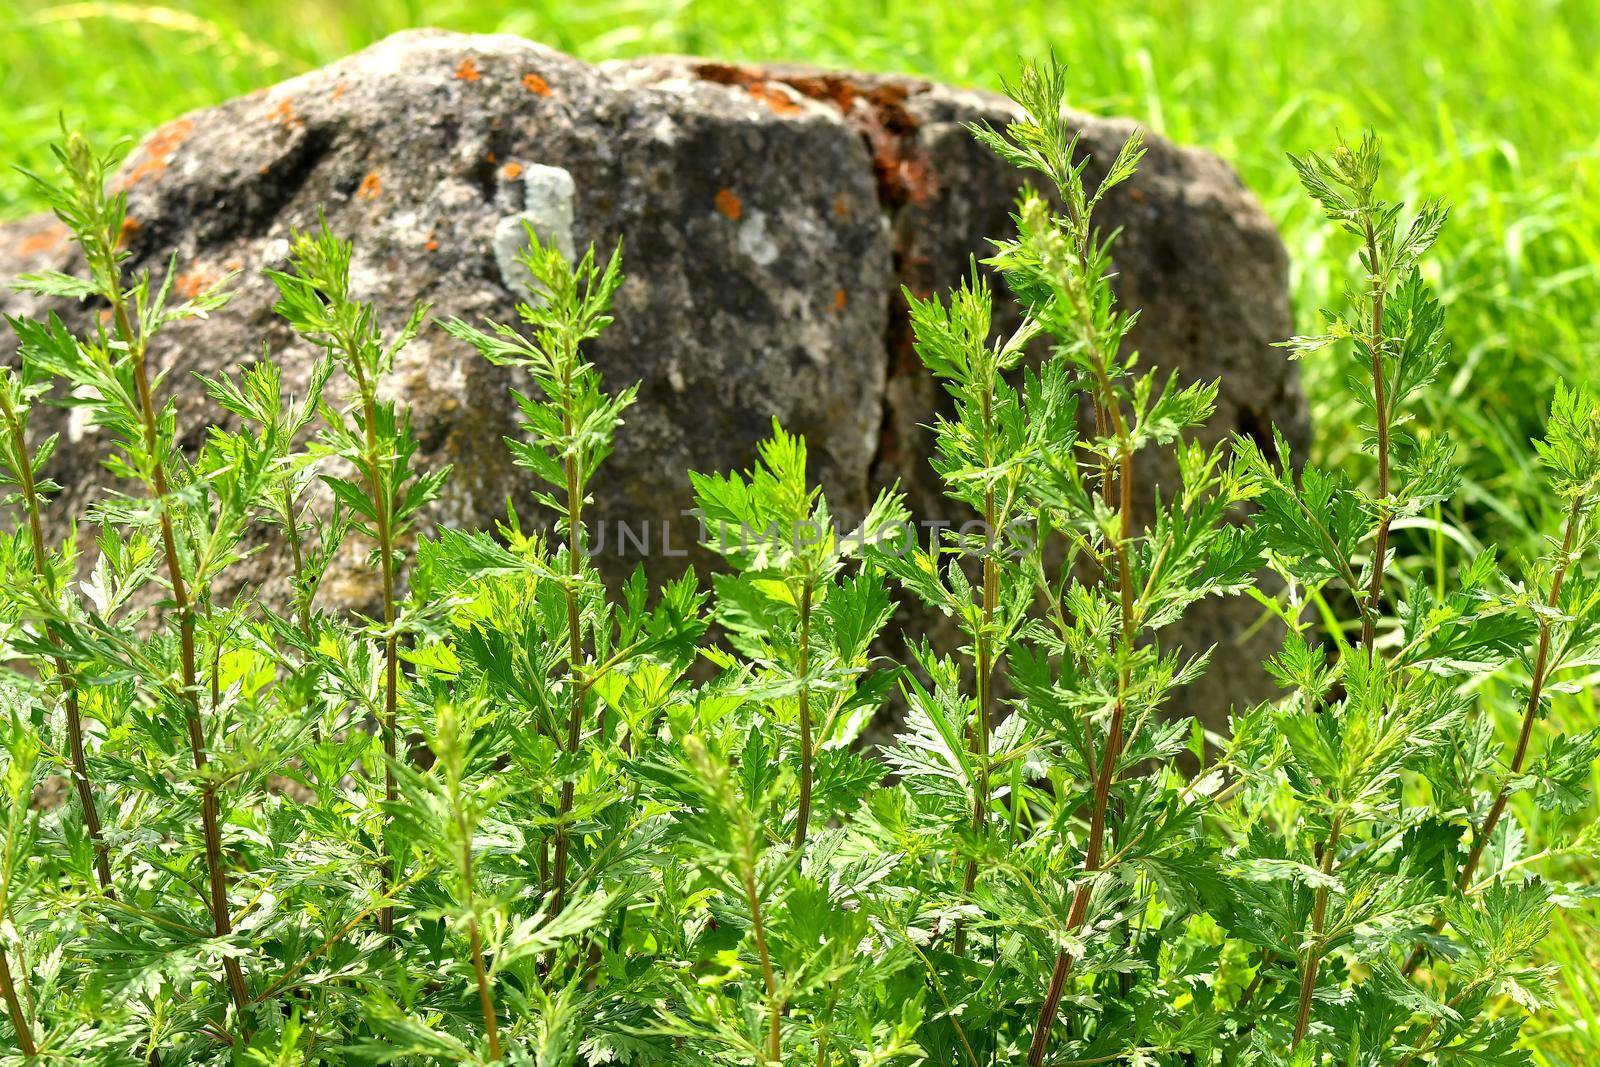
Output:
(665, 130)
(755, 241)
(548, 194)
(275, 251)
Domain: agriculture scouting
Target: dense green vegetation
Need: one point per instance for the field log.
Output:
(527, 832)
(1488, 104)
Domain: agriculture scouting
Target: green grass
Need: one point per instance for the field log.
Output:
(1490, 104)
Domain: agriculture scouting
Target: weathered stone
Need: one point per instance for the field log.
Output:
(769, 216)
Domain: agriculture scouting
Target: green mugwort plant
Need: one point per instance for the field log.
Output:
(509, 809)
(373, 436)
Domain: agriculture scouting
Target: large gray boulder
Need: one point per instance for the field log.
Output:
(770, 217)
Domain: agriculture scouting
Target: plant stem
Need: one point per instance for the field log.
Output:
(985, 664)
(302, 602)
(1530, 715)
(297, 553)
(1081, 896)
(575, 654)
(938, 988)
(803, 819)
(1433, 1022)
(1106, 777)
(1268, 958)
(337, 936)
(1319, 914)
(1381, 416)
(823, 1059)
(485, 994)
(485, 997)
(210, 819)
(69, 688)
(382, 526)
(758, 928)
(19, 1018)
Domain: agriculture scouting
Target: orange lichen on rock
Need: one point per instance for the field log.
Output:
(779, 101)
(371, 186)
(841, 207)
(49, 239)
(191, 284)
(467, 70)
(511, 171)
(727, 203)
(157, 150)
(879, 112)
(283, 114)
(339, 90)
(168, 138)
(145, 168)
(760, 88)
(535, 84)
(130, 226)
(839, 299)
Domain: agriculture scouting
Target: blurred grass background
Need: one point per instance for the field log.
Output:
(1491, 104)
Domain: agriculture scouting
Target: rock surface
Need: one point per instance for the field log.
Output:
(769, 216)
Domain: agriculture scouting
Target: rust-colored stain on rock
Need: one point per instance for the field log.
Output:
(727, 203)
(768, 92)
(191, 284)
(878, 112)
(535, 84)
(283, 114)
(168, 138)
(157, 150)
(371, 186)
(145, 168)
(780, 102)
(50, 239)
(467, 70)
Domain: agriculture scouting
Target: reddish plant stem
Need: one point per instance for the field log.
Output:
(575, 654)
(19, 1018)
(1106, 777)
(1530, 715)
(758, 928)
(69, 689)
(1319, 914)
(210, 816)
(803, 817)
(491, 1023)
